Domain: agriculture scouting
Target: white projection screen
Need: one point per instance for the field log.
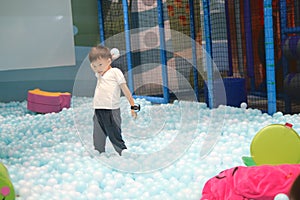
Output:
(36, 34)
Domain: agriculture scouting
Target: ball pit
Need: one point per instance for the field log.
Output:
(48, 160)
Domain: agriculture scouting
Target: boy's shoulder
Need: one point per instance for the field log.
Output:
(117, 70)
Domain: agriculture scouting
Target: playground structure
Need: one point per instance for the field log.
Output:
(165, 43)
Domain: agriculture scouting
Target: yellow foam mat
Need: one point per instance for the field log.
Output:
(45, 93)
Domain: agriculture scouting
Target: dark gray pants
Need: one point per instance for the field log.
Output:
(107, 123)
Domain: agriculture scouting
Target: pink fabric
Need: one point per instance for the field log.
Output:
(256, 182)
(47, 104)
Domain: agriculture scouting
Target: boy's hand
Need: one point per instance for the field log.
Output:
(134, 109)
(133, 114)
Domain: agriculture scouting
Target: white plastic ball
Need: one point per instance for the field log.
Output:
(244, 105)
(115, 53)
(281, 196)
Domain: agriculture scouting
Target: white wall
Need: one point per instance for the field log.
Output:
(36, 34)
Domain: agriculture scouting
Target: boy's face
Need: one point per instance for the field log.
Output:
(101, 65)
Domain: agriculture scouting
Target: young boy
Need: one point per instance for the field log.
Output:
(107, 116)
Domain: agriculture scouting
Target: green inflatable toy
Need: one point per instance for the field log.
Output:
(274, 144)
(7, 191)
